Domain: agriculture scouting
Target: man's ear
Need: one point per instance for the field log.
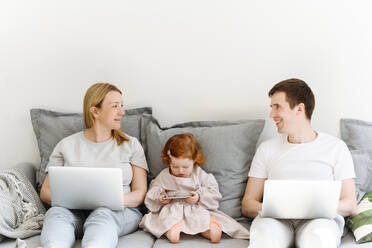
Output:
(94, 111)
(301, 108)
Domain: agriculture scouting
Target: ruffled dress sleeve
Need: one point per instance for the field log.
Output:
(208, 191)
(152, 197)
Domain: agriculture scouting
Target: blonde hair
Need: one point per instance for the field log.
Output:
(94, 98)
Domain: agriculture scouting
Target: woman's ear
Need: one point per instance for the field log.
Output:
(94, 111)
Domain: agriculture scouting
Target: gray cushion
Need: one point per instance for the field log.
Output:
(196, 241)
(348, 241)
(141, 239)
(50, 127)
(30, 242)
(357, 134)
(138, 239)
(363, 169)
(228, 145)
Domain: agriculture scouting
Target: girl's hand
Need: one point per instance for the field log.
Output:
(161, 198)
(193, 199)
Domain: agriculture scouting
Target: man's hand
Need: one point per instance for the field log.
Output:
(162, 200)
(193, 199)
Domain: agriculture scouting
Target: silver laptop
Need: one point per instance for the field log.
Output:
(289, 199)
(86, 188)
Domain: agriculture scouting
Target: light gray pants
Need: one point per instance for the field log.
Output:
(100, 227)
(274, 233)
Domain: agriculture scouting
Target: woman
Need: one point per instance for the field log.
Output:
(103, 143)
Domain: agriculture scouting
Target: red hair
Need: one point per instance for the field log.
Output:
(185, 146)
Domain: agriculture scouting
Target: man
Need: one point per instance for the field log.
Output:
(303, 154)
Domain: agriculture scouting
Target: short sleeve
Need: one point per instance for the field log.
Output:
(258, 166)
(344, 167)
(56, 158)
(138, 156)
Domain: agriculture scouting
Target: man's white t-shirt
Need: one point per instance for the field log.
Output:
(76, 150)
(325, 158)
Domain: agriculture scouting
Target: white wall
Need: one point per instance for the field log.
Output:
(189, 60)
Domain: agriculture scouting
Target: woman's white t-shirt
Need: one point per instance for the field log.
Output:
(76, 150)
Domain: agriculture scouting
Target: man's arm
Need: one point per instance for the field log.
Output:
(252, 200)
(347, 204)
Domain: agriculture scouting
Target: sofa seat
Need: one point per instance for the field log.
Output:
(138, 239)
(348, 241)
(196, 241)
(141, 239)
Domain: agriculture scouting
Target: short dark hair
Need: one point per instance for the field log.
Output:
(297, 91)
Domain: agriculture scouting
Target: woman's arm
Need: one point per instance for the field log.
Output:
(139, 188)
(45, 191)
(55, 159)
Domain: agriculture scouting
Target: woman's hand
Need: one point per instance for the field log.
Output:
(161, 198)
(193, 199)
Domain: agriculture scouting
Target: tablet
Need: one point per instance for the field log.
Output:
(177, 197)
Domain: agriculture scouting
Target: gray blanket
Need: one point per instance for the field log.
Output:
(21, 211)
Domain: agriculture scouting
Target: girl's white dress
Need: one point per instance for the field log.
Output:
(196, 216)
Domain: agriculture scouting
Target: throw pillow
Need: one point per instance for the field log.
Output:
(50, 127)
(357, 134)
(361, 224)
(229, 147)
(363, 170)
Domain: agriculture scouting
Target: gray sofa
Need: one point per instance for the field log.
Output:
(228, 145)
(141, 239)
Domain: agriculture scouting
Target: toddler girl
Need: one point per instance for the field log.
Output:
(194, 214)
